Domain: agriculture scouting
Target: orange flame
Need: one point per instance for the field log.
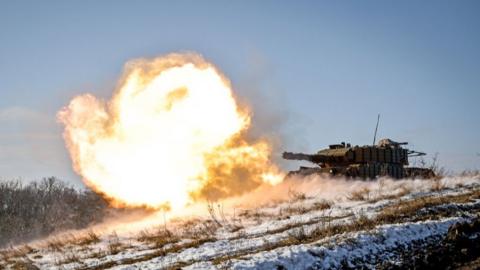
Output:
(171, 134)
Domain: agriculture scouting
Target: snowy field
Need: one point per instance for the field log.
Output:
(300, 224)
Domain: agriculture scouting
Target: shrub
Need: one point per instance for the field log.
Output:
(29, 211)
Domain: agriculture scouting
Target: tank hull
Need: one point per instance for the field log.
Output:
(366, 171)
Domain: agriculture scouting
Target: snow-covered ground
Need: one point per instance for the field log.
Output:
(300, 224)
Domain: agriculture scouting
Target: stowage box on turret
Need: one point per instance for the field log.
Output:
(387, 158)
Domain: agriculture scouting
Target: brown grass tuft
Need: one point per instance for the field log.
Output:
(90, 238)
(322, 205)
(23, 265)
(159, 238)
(114, 245)
(296, 195)
(360, 195)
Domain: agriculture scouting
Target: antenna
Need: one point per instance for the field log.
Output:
(376, 128)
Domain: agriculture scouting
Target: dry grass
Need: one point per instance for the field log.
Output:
(470, 173)
(16, 258)
(16, 252)
(23, 265)
(361, 222)
(192, 229)
(257, 215)
(175, 248)
(301, 209)
(55, 245)
(159, 238)
(437, 184)
(274, 202)
(410, 208)
(360, 195)
(68, 257)
(58, 243)
(299, 235)
(96, 254)
(197, 229)
(396, 213)
(293, 210)
(322, 205)
(296, 195)
(114, 245)
(218, 219)
(62, 242)
(192, 233)
(404, 190)
(90, 238)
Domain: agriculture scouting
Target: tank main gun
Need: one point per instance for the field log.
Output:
(314, 158)
(297, 156)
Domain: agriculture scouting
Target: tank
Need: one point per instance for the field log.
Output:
(387, 158)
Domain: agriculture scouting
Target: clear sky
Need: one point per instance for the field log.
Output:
(316, 72)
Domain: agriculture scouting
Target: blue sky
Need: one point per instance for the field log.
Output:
(315, 72)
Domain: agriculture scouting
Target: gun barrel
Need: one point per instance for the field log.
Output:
(296, 156)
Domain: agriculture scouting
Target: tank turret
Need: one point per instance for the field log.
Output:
(387, 158)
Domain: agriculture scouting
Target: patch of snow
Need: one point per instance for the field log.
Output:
(367, 247)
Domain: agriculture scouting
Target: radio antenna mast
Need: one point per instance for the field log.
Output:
(376, 128)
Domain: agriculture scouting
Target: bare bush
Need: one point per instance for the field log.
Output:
(439, 171)
(470, 173)
(433, 165)
(114, 244)
(218, 217)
